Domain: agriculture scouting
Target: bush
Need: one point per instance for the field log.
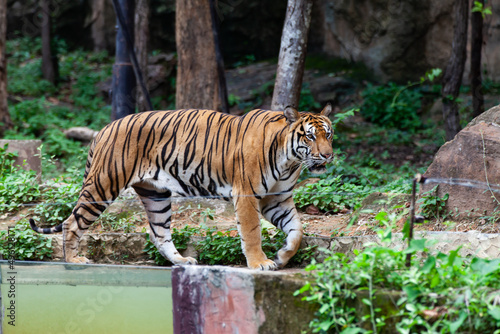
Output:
(224, 247)
(58, 198)
(17, 186)
(442, 293)
(24, 244)
(330, 195)
(392, 106)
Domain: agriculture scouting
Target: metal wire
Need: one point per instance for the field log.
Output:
(449, 181)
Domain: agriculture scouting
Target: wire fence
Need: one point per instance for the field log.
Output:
(468, 183)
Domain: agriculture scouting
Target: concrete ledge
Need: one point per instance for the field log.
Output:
(473, 243)
(225, 300)
(128, 247)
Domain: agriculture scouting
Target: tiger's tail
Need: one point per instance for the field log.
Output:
(47, 230)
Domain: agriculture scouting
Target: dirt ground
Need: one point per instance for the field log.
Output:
(220, 214)
(201, 212)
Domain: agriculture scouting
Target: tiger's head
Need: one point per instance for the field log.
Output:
(311, 137)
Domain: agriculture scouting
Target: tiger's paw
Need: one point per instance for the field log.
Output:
(79, 260)
(186, 261)
(263, 265)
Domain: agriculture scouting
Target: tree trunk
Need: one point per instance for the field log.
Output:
(292, 55)
(124, 82)
(141, 26)
(101, 31)
(197, 78)
(452, 77)
(49, 63)
(475, 62)
(221, 74)
(5, 121)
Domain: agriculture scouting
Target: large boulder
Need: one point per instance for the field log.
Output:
(468, 168)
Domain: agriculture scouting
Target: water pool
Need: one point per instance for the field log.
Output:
(42, 297)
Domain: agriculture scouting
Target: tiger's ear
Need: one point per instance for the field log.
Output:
(291, 114)
(326, 110)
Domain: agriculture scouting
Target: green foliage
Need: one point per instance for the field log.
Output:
(233, 100)
(307, 101)
(479, 8)
(17, 186)
(224, 247)
(180, 239)
(330, 195)
(25, 244)
(219, 247)
(36, 86)
(58, 199)
(379, 106)
(50, 110)
(348, 181)
(124, 221)
(244, 61)
(442, 293)
(432, 205)
(405, 103)
(7, 160)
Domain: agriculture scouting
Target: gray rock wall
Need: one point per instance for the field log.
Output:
(399, 40)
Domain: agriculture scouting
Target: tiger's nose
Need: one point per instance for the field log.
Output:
(327, 155)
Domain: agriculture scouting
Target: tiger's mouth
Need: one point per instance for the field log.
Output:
(318, 168)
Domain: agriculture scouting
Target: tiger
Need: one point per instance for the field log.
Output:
(253, 160)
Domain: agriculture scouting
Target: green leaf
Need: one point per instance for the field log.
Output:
(454, 326)
(416, 245)
(352, 330)
(429, 264)
(406, 230)
(412, 292)
(486, 267)
(495, 312)
(381, 216)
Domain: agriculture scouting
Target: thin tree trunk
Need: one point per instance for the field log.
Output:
(197, 78)
(452, 77)
(475, 62)
(5, 121)
(124, 82)
(49, 63)
(292, 55)
(221, 74)
(97, 23)
(141, 34)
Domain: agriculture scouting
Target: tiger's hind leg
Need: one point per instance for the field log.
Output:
(88, 208)
(280, 211)
(159, 210)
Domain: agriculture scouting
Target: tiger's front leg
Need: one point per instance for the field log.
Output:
(249, 228)
(280, 211)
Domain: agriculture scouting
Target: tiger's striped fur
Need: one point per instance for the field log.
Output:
(253, 160)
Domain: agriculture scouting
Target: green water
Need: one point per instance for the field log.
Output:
(62, 299)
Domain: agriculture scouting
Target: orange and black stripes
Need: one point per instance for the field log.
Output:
(252, 158)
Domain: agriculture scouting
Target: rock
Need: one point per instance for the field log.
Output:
(329, 88)
(490, 116)
(468, 167)
(28, 156)
(80, 133)
(378, 201)
(397, 40)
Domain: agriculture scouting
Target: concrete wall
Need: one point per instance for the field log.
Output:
(225, 300)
